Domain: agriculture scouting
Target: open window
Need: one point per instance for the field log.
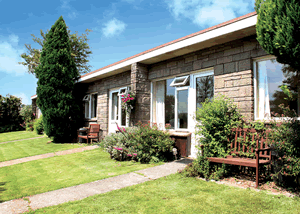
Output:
(180, 81)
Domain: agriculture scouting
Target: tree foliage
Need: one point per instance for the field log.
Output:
(278, 29)
(10, 118)
(56, 75)
(80, 51)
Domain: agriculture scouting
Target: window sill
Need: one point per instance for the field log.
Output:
(91, 119)
(179, 133)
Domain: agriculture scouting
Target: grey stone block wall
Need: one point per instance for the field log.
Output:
(140, 85)
(233, 69)
(102, 87)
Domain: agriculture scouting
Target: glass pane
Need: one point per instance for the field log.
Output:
(86, 109)
(182, 109)
(123, 118)
(94, 105)
(170, 104)
(204, 89)
(114, 110)
(271, 75)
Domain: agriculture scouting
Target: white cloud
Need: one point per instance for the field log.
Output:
(209, 12)
(113, 27)
(65, 4)
(72, 15)
(25, 99)
(10, 56)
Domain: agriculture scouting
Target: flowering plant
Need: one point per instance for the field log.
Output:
(128, 101)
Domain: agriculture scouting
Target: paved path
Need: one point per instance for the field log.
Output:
(21, 139)
(47, 155)
(89, 189)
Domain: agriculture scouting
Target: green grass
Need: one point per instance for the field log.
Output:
(177, 194)
(18, 135)
(31, 147)
(48, 174)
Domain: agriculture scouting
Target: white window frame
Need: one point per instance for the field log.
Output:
(176, 107)
(88, 98)
(191, 97)
(184, 81)
(256, 93)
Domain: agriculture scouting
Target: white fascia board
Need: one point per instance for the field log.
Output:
(230, 28)
(33, 97)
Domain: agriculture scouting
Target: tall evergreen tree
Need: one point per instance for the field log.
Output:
(57, 74)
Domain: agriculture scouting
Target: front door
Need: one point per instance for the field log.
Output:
(116, 114)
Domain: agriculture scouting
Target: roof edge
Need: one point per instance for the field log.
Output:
(175, 41)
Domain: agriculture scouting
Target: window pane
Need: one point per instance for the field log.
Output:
(204, 89)
(271, 75)
(170, 104)
(94, 105)
(114, 110)
(182, 108)
(86, 109)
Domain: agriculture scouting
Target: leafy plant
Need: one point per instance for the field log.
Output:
(30, 126)
(38, 125)
(10, 118)
(143, 143)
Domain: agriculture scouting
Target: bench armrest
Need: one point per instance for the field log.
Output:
(264, 149)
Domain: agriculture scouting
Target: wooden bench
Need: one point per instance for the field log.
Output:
(238, 150)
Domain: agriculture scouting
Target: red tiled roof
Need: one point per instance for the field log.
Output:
(177, 40)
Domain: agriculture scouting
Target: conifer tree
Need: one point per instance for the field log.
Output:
(57, 74)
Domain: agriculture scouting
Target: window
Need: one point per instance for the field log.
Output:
(90, 105)
(269, 76)
(174, 100)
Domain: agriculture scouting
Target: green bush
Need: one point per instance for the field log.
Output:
(216, 119)
(10, 118)
(27, 115)
(285, 138)
(29, 126)
(38, 125)
(142, 143)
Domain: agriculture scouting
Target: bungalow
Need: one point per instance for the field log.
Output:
(170, 81)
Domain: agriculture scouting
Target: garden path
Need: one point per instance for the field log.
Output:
(82, 191)
(47, 155)
(22, 139)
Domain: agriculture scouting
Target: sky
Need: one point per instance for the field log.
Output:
(120, 29)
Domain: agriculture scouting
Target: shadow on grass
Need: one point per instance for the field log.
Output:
(2, 189)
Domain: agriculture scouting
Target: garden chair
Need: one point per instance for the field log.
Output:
(92, 133)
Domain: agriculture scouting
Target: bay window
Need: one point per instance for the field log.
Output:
(269, 75)
(90, 106)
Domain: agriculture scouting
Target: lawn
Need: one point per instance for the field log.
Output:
(31, 147)
(18, 135)
(48, 174)
(177, 194)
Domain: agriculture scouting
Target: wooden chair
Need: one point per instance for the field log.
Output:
(92, 133)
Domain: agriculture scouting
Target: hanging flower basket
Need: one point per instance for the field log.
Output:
(128, 101)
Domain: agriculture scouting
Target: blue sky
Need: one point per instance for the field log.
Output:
(121, 28)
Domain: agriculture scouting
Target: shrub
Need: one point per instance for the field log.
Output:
(114, 142)
(10, 118)
(27, 115)
(285, 137)
(38, 125)
(30, 126)
(143, 143)
(216, 119)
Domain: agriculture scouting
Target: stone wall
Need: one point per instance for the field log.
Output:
(102, 87)
(229, 61)
(34, 106)
(239, 87)
(140, 85)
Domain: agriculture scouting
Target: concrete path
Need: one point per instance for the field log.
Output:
(22, 139)
(47, 155)
(85, 190)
